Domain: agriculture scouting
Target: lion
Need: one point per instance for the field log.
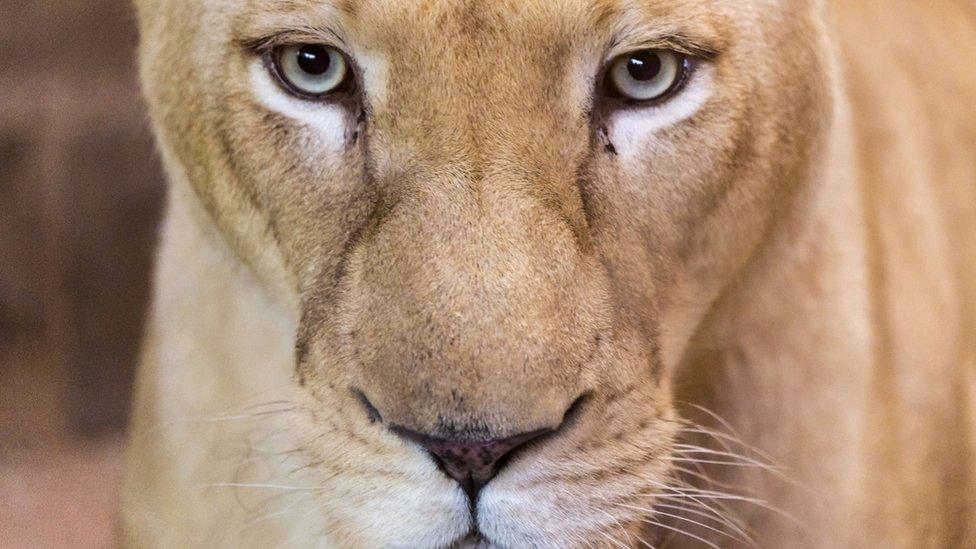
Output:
(559, 273)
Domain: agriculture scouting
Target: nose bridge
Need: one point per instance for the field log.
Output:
(491, 195)
(474, 301)
(486, 163)
(493, 168)
(475, 305)
(500, 246)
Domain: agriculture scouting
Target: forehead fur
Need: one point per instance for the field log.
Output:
(436, 20)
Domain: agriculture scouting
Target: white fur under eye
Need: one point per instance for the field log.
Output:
(329, 120)
(633, 130)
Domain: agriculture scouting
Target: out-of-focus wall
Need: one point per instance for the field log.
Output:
(80, 192)
(80, 195)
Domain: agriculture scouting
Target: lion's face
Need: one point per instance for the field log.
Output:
(501, 221)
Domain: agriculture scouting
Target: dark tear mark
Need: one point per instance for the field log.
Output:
(608, 145)
(301, 354)
(301, 349)
(360, 122)
(371, 412)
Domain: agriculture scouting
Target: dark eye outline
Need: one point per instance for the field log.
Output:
(687, 64)
(346, 88)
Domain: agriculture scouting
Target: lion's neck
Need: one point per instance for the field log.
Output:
(788, 358)
(212, 318)
(216, 372)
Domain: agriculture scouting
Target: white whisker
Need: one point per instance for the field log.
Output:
(237, 417)
(730, 497)
(716, 462)
(686, 519)
(724, 439)
(691, 449)
(725, 423)
(704, 477)
(645, 543)
(267, 517)
(680, 531)
(614, 519)
(712, 514)
(613, 540)
(258, 486)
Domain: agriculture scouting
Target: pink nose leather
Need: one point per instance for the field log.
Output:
(472, 464)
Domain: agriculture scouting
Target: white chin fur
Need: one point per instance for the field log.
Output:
(327, 120)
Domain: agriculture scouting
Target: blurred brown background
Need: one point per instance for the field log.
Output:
(80, 194)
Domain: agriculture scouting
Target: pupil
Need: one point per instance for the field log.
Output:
(644, 66)
(314, 60)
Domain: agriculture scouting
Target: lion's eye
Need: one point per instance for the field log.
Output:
(648, 75)
(311, 70)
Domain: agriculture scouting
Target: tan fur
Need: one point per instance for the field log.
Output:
(485, 242)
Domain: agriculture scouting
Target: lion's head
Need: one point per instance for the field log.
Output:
(501, 222)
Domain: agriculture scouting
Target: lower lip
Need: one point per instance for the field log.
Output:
(473, 541)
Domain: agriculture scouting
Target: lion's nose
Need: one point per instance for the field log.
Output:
(471, 463)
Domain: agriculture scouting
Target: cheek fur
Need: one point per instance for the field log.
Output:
(326, 120)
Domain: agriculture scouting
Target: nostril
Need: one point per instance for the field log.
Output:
(371, 412)
(574, 411)
(470, 458)
(471, 463)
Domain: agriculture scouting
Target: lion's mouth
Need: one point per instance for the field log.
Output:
(474, 540)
